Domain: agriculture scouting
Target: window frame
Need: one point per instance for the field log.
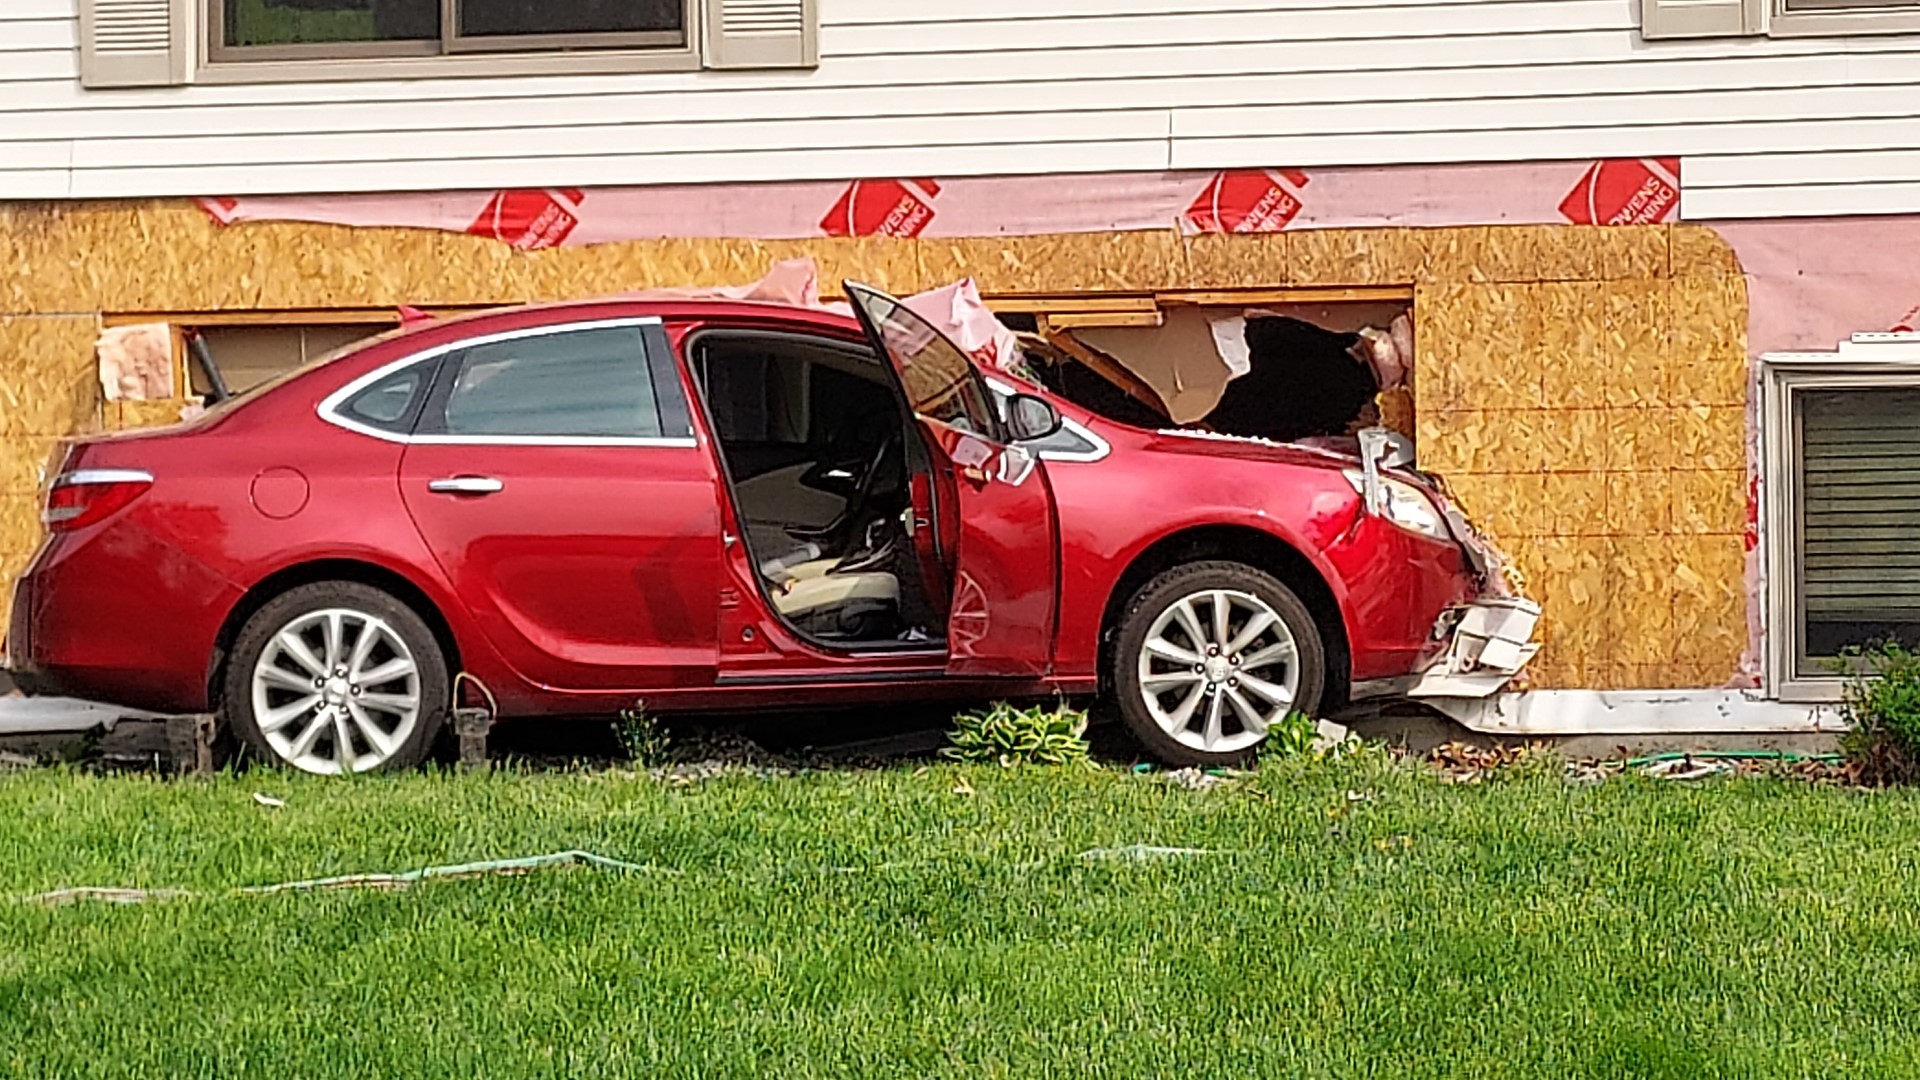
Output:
(1868, 362)
(1839, 17)
(669, 396)
(453, 54)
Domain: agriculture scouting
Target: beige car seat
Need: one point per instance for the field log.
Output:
(807, 589)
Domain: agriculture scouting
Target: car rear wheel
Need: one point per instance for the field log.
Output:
(1210, 656)
(337, 677)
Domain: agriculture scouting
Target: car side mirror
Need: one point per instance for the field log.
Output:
(1030, 417)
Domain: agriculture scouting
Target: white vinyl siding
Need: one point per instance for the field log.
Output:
(1766, 127)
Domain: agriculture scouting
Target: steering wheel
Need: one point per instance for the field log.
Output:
(856, 499)
(857, 515)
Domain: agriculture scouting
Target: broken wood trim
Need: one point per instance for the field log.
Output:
(190, 744)
(1074, 320)
(1369, 294)
(1104, 366)
(281, 316)
(1083, 302)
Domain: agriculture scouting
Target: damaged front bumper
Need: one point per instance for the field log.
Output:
(1490, 642)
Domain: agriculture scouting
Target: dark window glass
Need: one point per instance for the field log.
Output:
(1860, 516)
(389, 403)
(514, 18)
(327, 22)
(939, 379)
(1847, 5)
(589, 383)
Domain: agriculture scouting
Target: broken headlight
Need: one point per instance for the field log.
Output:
(1405, 505)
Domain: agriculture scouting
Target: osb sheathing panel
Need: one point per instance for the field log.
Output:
(1617, 480)
(1584, 388)
(49, 382)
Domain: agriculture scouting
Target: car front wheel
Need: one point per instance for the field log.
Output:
(1210, 656)
(337, 677)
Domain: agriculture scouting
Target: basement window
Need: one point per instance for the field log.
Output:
(1290, 366)
(1842, 475)
(248, 355)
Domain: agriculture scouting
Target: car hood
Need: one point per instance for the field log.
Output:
(1246, 448)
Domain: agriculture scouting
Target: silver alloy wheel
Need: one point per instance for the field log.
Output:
(336, 691)
(1219, 668)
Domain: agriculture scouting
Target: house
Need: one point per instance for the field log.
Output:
(1654, 251)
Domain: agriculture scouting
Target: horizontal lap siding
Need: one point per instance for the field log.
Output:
(1022, 86)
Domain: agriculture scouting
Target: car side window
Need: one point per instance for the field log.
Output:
(390, 403)
(590, 382)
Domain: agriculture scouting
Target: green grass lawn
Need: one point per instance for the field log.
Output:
(879, 924)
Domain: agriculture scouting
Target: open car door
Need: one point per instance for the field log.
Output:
(1005, 552)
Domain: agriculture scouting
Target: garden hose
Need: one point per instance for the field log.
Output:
(1789, 756)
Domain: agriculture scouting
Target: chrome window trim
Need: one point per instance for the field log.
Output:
(1101, 448)
(329, 407)
(87, 477)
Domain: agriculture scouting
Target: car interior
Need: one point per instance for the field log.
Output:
(815, 440)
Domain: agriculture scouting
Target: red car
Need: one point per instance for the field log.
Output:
(713, 505)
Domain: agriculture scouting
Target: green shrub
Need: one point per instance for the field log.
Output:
(1292, 738)
(1036, 735)
(1882, 708)
(642, 736)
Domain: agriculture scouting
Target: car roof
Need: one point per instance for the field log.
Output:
(554, 311)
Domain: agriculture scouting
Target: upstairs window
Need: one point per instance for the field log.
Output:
(350, 29)
(1776, 18)
(135, 43)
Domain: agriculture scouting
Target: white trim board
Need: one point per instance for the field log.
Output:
(1638, 712)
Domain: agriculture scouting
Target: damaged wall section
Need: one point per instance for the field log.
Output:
(1582, 388)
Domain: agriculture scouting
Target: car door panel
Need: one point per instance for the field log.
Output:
(1004, 552)
(586, 548)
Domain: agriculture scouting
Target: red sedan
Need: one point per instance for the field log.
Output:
(713, 505)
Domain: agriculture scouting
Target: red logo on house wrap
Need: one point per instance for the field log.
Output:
(1631, 191)
(901, 208)
(530, 219)
(221, 209)
(1248, 201)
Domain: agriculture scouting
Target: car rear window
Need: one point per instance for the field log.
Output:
(582, 383)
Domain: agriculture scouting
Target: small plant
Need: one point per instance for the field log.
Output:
(1036, 735)
(1293, 738)
(642, 736)
(1882, 709)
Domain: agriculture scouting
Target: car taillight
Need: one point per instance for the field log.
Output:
(89, 496)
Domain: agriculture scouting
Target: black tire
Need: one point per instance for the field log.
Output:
(1161, 594)
(429, 660)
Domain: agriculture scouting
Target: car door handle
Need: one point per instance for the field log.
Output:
(465, 485)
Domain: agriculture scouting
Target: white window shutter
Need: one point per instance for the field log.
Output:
(762, 34)
(1701, 18)
(134, 42)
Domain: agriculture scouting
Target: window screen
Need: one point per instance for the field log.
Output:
(502, 18)
(589, 383)
(1860, 520)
